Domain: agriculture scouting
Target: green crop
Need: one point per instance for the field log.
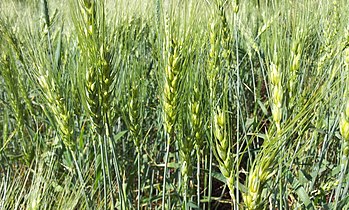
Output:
(174, 104)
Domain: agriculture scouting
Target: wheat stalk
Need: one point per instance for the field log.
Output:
(92, 83)
(173, 57)
(97, 71)
(261, 170)
(96, 75)
(196, 121)
(344, 131)
(135, 122)
(51, 89)
(220, 56)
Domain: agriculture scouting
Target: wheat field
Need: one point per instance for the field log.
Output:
(174, 104)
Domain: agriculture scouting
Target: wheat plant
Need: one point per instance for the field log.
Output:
(173, 104)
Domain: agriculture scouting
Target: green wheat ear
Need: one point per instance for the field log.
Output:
(97, 73)
(172, 77)
(172, 56)
(277, 94)
(220, 57)
(260, 173)
(52, 89)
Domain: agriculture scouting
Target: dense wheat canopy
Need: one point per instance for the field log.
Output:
(180, 104)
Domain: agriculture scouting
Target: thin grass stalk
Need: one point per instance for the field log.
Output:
(210, 162)
(122, 198)
(198, 166)
(234, 64)
(139, 180)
